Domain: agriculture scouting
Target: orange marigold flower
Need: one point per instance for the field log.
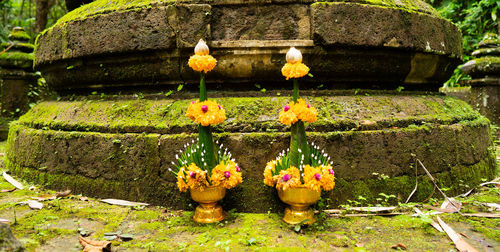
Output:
(195, 177)
(203, 63)
(328, 177)
(181, 180)
(299, 110)
(295, 70)
(269, 179)
(287, 117)
(304, 111)
(226, 175)
(313, 177)
(288, 178)
(206, 112)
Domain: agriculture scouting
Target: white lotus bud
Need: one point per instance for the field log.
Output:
(202, 48)
(293, 56)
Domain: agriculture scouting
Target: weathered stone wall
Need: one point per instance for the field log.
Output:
(122, 44)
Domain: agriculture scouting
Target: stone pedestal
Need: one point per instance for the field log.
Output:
(117, 145)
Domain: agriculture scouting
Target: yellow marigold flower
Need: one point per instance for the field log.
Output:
(288, 178)
(181, 181)
(313, 177)
(287, 116)
(327, 177)
(300, 110)
(206, 112)
(304, 111)
(226, 174)
(203, 63)
(295, 70)
(196, 178)
(269, 179)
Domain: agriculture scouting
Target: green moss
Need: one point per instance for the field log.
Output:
(19, 35)
(405, 5)
(245, 114)
(486, 61)
(16, 59)
(100, 7)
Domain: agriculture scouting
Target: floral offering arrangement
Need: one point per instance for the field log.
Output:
(203, 164)
(303, 164)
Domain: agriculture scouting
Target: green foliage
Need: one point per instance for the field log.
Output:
(22, 13)
(474, 19)
(196, 153)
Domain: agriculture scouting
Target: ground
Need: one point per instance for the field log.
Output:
(55, 227)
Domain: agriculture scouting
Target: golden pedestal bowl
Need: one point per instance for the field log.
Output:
(299, 199)
(208, 211)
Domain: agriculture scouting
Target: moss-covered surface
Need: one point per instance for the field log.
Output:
(16, 60)
(154, 228)
(248, 114)
(123, 148)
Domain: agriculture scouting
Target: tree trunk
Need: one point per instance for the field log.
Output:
(42, 10)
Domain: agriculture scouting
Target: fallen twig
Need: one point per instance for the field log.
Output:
(416, 183)
(485, 215)
(123, 202)
(436, 186)
(460, 243)
(364, 215)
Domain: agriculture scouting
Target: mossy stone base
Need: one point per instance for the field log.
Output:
(101, 148)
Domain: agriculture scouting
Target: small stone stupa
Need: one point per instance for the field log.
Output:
(485, 83)
(16, 76)
(377, 66)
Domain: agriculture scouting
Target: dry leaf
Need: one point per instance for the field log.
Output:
(123, 202)
(32, 188)
(63, 194)
(8, 190)
(4, 221)
(13, 181)
(93, 245)
(460, 243)
(493, 205)
(84, 199)
(33, 204)
(373, 209)
(44, 197)
(452, 205)
(399, 245)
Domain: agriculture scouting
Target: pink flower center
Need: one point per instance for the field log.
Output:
(317, 176)
(193, 102)
(286, 177)
(286, 108)
(219, 106)
(330, 171)
(308, 105)
(227, 174)
(204, 108)
(237, 168)
(192, 174)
